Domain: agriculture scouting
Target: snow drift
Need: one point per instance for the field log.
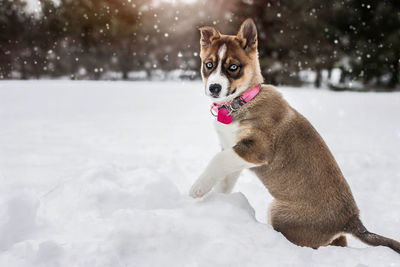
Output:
(97, 174)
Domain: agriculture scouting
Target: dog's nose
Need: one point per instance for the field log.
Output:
(215, 88)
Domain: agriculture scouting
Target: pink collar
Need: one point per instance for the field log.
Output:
(223, 111)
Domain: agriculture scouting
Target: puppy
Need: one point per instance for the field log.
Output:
(313, 205)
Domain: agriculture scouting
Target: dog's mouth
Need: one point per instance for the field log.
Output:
(230, 92)
(215, 95)
(217, 98)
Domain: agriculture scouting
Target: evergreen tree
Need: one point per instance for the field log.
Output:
(369, 37)
(14, 25)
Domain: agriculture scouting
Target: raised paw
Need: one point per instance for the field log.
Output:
(199, 189)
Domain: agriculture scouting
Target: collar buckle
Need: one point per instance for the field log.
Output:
(236, 103)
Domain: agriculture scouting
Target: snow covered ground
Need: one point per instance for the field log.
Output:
(97, 174)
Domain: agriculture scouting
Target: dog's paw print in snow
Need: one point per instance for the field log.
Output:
(49, 253)
(117, 188)
(20, 220)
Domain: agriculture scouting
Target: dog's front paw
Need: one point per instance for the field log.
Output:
(200, 188)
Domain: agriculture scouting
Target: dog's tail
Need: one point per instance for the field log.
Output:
(357, 229)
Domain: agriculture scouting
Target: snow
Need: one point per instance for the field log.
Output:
(97, 174)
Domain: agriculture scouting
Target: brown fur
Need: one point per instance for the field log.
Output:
(341, 241)
(313, 203)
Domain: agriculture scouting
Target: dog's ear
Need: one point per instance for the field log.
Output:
(208, 34)
(247, 35)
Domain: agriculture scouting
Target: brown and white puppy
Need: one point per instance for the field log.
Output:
(313, 205)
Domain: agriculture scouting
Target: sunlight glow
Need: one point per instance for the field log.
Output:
(179, 1)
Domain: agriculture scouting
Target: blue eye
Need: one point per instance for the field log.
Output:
(233, 67)
(209, 65)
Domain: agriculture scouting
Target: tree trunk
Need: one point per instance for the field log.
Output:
(342, 75)
(125, 74)
(394, 80)
(24, 75)
(318, 79)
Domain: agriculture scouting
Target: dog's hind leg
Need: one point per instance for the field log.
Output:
(298, 227)
(227, 184)
(341, 241)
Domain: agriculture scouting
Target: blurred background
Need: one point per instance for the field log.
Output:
(341, 45)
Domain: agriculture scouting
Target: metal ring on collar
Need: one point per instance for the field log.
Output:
(212, 112)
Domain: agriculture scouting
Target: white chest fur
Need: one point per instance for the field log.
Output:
(227, 133)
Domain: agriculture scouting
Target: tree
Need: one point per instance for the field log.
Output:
(14, 23)
(370, 38)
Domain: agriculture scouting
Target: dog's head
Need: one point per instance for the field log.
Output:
(229, 62)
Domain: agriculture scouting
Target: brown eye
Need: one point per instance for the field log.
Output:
(233, 67)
